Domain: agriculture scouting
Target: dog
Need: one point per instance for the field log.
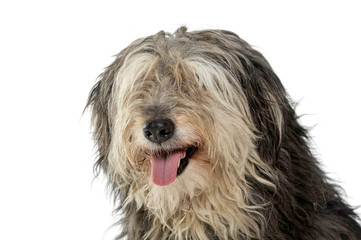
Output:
(200, 140)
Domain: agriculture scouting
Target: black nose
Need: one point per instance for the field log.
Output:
(158, 131)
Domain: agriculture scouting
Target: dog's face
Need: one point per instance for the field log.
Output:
(177, 118)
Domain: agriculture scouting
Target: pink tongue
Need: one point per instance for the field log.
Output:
(164, 169)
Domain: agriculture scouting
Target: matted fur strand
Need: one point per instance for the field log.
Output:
(245, 170)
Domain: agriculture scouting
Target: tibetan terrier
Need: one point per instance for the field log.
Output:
(199, 140)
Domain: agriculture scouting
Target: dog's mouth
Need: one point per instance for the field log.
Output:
(167, 165)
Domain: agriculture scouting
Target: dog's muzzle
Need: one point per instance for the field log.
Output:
(167, 164)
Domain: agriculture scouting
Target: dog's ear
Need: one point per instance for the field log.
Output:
(99, 102)
(268, 102)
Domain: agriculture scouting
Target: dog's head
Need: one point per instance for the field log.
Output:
(188, 117)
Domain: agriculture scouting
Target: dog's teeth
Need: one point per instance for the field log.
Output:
(179, 162)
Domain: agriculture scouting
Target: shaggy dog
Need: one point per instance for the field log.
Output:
(200, 140)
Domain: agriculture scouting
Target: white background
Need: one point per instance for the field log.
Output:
(51, 53)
